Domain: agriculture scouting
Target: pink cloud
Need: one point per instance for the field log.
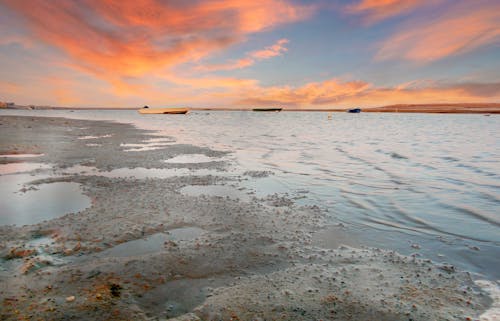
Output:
(269, 52)
(462, 29)
(272, 51)
(374, 11)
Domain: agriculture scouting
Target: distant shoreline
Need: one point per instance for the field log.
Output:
(463, 108)
(485, 108)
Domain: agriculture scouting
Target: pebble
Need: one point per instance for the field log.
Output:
(70, 298)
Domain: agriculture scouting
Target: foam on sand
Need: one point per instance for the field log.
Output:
(492, 288)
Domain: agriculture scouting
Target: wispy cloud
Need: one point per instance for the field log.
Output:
(272, 51)
(373, 11)
(463, 28)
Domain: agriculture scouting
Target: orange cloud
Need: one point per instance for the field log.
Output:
(272, 51)
(115, 39)
(275, 50)
(376, 10)
(316, 93)
(454, 93)
(8, 88)
(232, 65)
(462, 29)
(336, 93)
(65, 97)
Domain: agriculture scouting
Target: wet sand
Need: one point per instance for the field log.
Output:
(145, 250)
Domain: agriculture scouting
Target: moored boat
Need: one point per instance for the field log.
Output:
(147, 110)
(268, 109)
(354, 110)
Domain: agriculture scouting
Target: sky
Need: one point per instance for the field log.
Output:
(242, 54)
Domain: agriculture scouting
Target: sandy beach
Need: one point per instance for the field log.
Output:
(144, 249)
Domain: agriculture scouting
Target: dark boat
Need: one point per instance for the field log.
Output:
(354, 110)
(267, 109)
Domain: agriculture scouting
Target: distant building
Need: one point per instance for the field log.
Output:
(11, 104)
(3, 104)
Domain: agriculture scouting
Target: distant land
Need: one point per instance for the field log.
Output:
(484, 108)
(462, 108)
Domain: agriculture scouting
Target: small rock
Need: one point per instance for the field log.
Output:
(70, 298)
(448, 268)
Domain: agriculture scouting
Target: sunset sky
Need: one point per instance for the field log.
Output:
(242, 53)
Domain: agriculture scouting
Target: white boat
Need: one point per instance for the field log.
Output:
(147, 110)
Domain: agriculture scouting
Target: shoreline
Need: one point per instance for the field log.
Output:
(460, 108)
(249, 259)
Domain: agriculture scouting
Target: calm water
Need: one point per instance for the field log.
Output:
(416, 183)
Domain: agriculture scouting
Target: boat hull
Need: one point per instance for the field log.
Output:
(267, 109)
(163, 111)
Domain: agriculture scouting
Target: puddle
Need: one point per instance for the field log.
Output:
(160, 140)
(215, 190)
(31, 205)
(191, 159)
(149, 144)
(333, 237)
(94, 137)
(152, 244)
(132, 145)
(266, 186)
(178, 297)
(39, 244)
(12, 168)
(146, 148)
(21, 155)
(185, 233)
(40, 260)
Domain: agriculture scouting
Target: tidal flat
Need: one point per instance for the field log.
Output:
(142, 249)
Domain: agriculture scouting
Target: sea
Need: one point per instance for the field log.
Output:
(426, 185)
